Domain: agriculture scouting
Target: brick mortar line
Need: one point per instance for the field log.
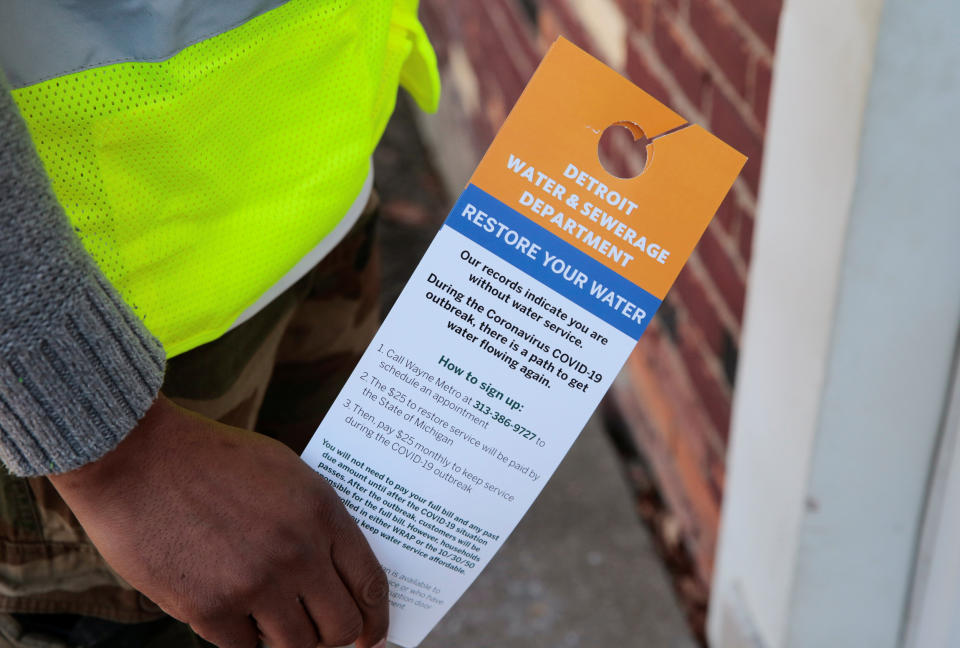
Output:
(732, 250)
(753, 66)
(669, 481)
(683, 9)
(713, 365)
(707, 432)
(629, 155)
(741, 105)
(743, 27)
(669, 360)
(757, 45)
(743, 194)
(741, 190)
(678, 98)
(519, 59)
(459, 71)
(703, 349)
(597, 10)
(729, 321)
(562, 11)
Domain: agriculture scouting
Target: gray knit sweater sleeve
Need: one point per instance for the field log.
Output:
(77, 367)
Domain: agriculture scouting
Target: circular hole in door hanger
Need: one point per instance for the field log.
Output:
(623, 150)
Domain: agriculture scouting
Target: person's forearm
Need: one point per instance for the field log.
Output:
(78, 369)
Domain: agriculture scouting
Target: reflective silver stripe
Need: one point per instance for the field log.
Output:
(44, 39)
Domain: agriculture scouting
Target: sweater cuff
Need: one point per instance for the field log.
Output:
(70, 397)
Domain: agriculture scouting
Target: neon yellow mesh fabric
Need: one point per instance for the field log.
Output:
(197, 182)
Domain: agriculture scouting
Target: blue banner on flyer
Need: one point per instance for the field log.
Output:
(552, 261)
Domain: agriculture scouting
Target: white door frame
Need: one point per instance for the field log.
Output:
(934, 614)
(850, 331)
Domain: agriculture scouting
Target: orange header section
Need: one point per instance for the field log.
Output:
(544, 164)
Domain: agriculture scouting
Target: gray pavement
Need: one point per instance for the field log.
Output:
(580, 570)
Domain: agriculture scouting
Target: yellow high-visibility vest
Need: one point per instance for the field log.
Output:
(201, 148)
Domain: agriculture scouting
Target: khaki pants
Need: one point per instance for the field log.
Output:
(277, 373)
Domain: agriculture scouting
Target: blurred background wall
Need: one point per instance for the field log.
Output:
(711, 61)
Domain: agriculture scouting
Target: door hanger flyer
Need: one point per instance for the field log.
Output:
(512, 328)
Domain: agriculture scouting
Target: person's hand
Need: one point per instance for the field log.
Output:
(231, 532)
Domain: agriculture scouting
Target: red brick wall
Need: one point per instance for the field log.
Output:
(710, 60)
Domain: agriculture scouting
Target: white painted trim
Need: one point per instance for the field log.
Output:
(934, 616)
(851, 327)
(821, 77)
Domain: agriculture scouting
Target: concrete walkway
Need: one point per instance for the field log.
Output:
(579, 570)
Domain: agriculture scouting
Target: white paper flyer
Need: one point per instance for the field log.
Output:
(511, 329)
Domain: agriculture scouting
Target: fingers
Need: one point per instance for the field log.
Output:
(332, 608)
(239, 633)
(285, 624)
(366, 582)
